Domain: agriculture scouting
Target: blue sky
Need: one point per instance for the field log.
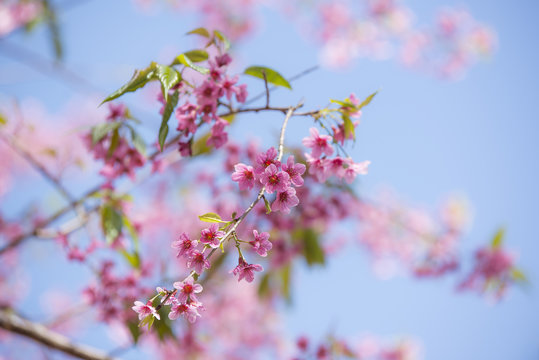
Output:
(425, 137)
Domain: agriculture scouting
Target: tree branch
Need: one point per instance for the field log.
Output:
(39, 333)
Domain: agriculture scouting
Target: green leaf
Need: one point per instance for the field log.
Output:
(518, 275)
(132, 232)
(497, 240)
(183, 59)
(272, 76)
(263, 287)
(169, 108)
(267, 205)
(138, 80)
(163, 327)
(224, 40)
(99, 131)
(134, 330)
(349, 128)
(200, 146)
(137, 140)
(114, 141)
(285, 282)
(168, 78)
(197, 55)
(132, 258)
(367, 101)
(52, 23)
(111, 222)
(212, 218)
(343, 103)
(200, 31)
(312, 251)
(148, 320)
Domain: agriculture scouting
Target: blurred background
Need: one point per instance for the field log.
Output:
(429, 133)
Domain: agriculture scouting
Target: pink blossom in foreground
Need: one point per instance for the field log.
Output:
(261, 244)
(244, 175)
(184, 245)
(198, 262)
(274, 180)
(294, 170)
(355, 169)
(285, 200)
(263, 160)
(211, 236)
(318, 143)
(144, 310)
(187, 289)
(246, 271)
(189, 311)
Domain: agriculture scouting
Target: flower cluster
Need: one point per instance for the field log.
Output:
(113, 293)
(322, 167)
(14, 14)
(493, 271)
(216, 86)
(114, 150)
(276, 177)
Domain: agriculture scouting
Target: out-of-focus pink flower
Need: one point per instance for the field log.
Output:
(261, 244)
(143, 310)
(245, 270)
(318, 143)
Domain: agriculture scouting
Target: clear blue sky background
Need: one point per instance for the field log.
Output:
(425, 138)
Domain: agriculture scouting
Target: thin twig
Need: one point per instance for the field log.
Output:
(267, 90)
(39, 333)
(292, 78)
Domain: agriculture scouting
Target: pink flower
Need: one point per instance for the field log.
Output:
(274, 180)
(117, 111)
(355, 169)
(263, 160)
(246, 271)
(285, 200)
(211, 236)
(185, 245)
(187, 115)
(294, 171)
(317, 168)
(189, 311)
(198, 262)
(218, 136)
(207, 93)
(261, 244)
(185, 148)
(145, 310)
(335, 166)
(244, 175)
(187, 289)
(318, 143)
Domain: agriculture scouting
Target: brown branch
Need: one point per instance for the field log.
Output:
(39, 333)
